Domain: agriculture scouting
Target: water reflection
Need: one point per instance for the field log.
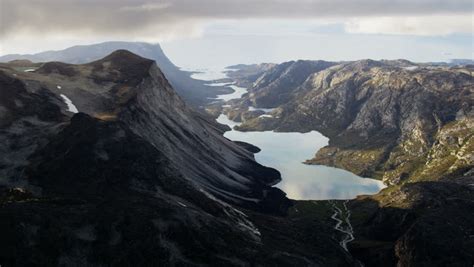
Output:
(286, 152)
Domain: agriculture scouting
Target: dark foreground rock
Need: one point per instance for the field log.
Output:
(135, 178)
(420, 224)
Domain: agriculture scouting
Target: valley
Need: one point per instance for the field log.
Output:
(133, 170)
(101, 155)
(408, 124)
(287, 151)
(263, 133)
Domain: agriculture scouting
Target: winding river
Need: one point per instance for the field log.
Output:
(286, 152)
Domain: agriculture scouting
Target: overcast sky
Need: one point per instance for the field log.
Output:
(270, 30)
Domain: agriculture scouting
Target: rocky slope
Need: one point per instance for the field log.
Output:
(193, 91)
(427, 223)
(408, 124)
(247, 73)
(386, 119)
(135, 177)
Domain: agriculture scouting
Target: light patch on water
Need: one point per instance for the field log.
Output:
(220, 84)
(70, 106)
(205, 74)
(238, 93)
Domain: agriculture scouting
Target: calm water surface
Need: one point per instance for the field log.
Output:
(286, 152)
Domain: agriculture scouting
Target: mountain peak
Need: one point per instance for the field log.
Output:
(122, 65)
(124, 57)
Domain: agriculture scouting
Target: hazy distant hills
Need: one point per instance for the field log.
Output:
(460, 61)
(193, 91)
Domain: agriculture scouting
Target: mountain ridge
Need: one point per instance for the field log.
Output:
(364, 104)
(193, 91)
(135, 177)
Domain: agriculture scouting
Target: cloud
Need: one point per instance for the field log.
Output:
(166, 19)
(435, 25)
(146, 7)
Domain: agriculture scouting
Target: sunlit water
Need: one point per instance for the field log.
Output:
(286, 152)
(206, 74)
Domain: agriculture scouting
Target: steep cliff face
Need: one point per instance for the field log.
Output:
(124, 87)
(135, 177)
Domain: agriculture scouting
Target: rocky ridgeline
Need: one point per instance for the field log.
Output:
(385, 119)
(194, 92)
(136, 177)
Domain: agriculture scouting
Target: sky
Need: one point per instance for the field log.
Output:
(223, 32)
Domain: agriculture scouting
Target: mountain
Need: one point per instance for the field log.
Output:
(377, 113)
(271, 85)
(410, 125)
(193, 91)
(104, 164)
(274, 86)
(248, 72)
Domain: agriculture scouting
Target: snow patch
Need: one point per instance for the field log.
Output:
(58, 86)
(29, 70)
(70, 106)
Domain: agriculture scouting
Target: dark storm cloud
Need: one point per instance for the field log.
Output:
(134, 16)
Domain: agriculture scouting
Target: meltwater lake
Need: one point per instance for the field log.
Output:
(286, 152)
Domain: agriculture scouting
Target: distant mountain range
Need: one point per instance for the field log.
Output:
(193, 91)
(460, 61)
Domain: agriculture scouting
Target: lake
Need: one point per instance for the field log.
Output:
(286, 152)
